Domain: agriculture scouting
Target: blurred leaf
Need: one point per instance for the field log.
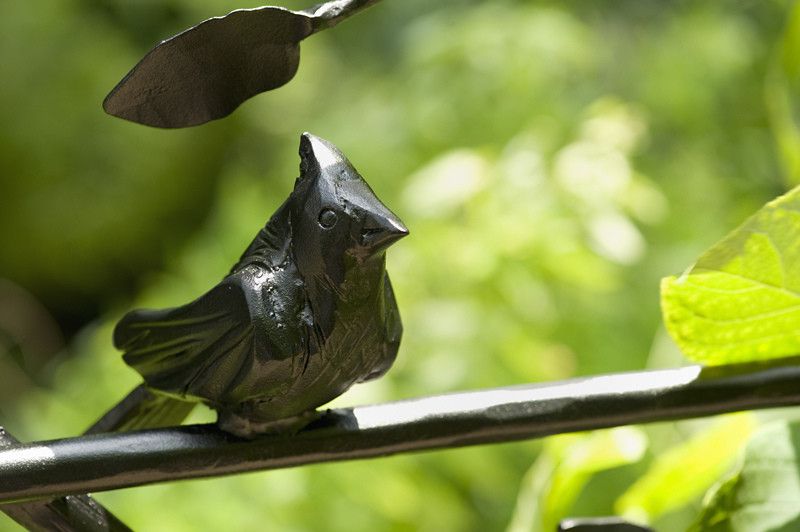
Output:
(764, 495)
(88, 202)
(685, 471)
(445, 184)
(528, 511)
(781, 92)
(741, 300)
(557, 477)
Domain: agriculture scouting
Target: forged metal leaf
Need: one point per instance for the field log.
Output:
(764, 495)
(208, 70)
(741, 300)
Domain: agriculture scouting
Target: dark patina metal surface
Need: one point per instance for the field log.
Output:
(81, 513)
(72, 513)
(142, 409)
(110, 461)
(290, 328)
(600, 524)
(307, 312)
(207, 71)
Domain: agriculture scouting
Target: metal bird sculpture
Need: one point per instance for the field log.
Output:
(207, 71)
(306, 312)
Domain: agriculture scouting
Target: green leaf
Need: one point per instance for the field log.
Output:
(684, 472)
(555, 480)
(741, 300)
(764, 495)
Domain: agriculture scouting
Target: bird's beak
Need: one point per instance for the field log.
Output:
(381, 232)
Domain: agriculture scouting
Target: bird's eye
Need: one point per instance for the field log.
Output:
(327, 218)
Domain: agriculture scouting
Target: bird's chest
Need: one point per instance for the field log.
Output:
(308, 350)
(352, 347)
(278, 314)
(354, 343)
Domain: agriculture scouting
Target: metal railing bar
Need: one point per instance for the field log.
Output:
(111, 461)
(72, 513)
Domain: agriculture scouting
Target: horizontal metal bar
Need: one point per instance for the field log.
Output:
(109, 461)
(82, 513)
(79, 513)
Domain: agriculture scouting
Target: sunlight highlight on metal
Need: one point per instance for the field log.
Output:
(34, 457)
(110, 461)
(370, 417)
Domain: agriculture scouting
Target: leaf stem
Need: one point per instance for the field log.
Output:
(330, 14)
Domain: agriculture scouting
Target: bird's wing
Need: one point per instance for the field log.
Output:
(193, 351)
(392, 332)
(394, 326)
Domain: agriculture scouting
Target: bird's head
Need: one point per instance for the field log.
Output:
(335, 214)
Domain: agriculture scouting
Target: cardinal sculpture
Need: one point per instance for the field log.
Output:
(307, 312)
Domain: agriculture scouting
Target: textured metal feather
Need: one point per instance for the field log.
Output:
(307, 311)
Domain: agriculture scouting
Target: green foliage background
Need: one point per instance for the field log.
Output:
(553, 161)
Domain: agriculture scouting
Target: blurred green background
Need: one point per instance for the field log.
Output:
(553, 161)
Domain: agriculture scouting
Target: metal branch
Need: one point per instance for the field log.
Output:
(111, 461)
(71, 513)
(81, 513)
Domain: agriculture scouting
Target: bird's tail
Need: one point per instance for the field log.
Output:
(138, 410)
(142, 409)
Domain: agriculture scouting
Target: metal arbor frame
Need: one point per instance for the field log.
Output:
(33, 474)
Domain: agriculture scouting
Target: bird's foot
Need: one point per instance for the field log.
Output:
(247, 427)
